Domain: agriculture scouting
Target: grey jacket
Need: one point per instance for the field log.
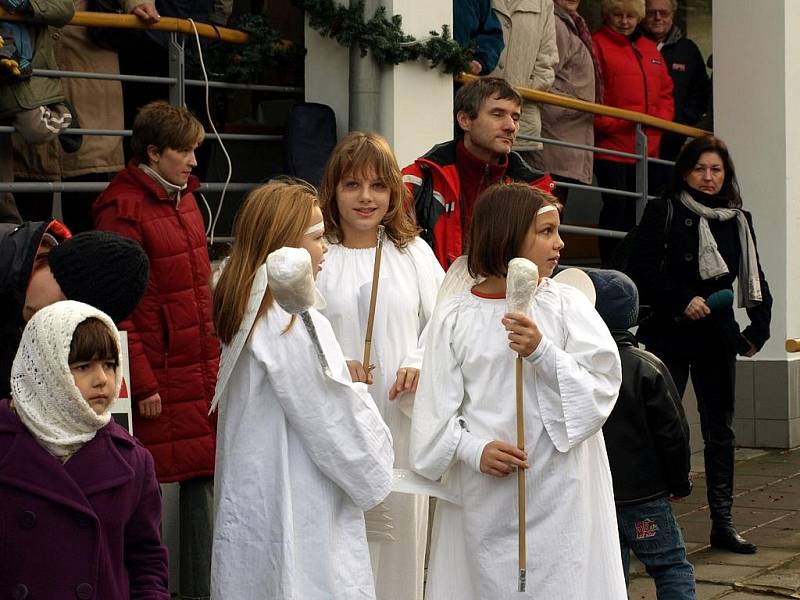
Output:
(574, 77)
(529, 57)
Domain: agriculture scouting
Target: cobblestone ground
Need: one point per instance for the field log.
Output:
(766, 511)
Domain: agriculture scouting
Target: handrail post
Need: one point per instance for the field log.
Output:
(177, 90)
(641, 171)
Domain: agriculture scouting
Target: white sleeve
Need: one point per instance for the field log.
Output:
(577, 386)
(338, 422)
(436, 427)
(429, 278)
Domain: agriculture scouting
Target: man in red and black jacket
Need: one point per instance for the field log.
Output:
(447, 180)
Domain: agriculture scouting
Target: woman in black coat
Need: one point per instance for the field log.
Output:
(692, 242)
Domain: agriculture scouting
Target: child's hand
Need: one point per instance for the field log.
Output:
(150, 407)
(501, 459)
(358, 373)
(523, 334)
(406, 381)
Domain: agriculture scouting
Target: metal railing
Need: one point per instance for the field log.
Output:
(176, 83)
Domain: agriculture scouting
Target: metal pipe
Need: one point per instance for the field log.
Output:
(99, 186)
(605, 233)
(365, 83)
(240, 137)
(165, 80)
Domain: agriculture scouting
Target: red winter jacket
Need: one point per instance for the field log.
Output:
(170, 344)
(435, 186)
(635, 77)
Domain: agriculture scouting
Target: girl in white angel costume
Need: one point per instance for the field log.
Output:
(464, 420)
(362, 188)
(301, 450)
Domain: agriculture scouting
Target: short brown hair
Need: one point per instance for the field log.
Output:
(355, 156)
(164, 126)
(472, 95)
(501, 218)
(92, 340)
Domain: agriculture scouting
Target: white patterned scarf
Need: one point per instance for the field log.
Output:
(710, 261)
(45, 396)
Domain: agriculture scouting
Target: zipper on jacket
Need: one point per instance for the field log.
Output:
(639, 57)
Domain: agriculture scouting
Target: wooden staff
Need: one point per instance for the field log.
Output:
(521, 282)
(376, 272)
(521, 477)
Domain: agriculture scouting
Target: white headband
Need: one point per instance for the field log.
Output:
(545, 209)
(315, 228)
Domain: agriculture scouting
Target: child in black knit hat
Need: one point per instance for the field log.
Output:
(42, 263)
(647, 439)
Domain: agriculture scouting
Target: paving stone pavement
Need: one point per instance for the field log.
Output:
(766, 511)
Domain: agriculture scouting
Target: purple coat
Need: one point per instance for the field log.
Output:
(86, 529)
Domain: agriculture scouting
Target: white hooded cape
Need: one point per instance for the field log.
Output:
(466, 398)
(300, 456)
(409, 282)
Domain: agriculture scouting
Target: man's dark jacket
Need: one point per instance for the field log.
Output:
(691, 87)
(646, 435)
(17, 252)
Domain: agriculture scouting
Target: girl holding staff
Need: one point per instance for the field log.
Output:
(464, 423)
(362, 189)
(301, 451)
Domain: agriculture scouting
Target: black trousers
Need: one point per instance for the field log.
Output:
(618, 212)
(714, 381)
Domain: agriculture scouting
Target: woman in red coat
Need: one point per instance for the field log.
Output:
(634, 78)
(173, 353)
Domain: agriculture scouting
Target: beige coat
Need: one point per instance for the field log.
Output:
(574, 78)
(98, 105)
(529, 57)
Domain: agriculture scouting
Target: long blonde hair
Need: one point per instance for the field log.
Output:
(272, 216)
(357, 155)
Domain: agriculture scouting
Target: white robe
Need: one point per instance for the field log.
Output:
(409, 281)
(300, 456)
(466, 398)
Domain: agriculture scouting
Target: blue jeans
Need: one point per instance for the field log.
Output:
(651, 531)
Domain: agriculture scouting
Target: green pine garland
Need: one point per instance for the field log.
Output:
(383, 36)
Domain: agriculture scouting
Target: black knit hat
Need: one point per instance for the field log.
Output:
(102, 269)
(617, 298)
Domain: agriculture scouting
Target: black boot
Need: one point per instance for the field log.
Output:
(719, 460)
(726, 537)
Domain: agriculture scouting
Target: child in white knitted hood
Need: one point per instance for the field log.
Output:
(83, 504)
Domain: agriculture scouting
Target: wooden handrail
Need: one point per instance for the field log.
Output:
(793, 345)
(114, 21)
(599, 109)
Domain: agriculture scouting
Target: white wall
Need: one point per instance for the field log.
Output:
(756, 95)
(416, 102)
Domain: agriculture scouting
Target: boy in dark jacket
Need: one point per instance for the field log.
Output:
(647, 439)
